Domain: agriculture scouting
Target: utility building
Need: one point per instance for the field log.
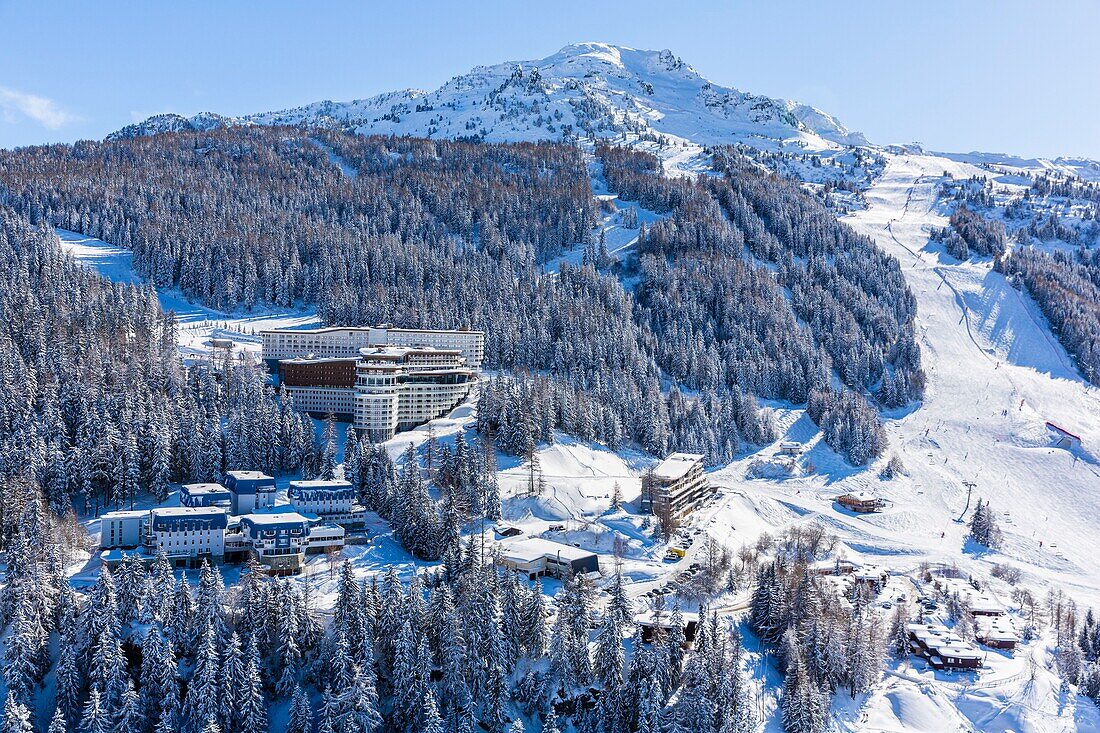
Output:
(535, 557)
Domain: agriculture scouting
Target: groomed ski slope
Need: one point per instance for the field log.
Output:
(995, 376)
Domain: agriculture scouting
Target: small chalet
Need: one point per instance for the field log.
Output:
(863, 502)
(943, 648)
(650, 621)
(997, 632)
(790, 448)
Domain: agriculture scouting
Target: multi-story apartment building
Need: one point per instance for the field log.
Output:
(398, 388)
(676, 486)
(339, 342)
(331, 500)
(395, 388)
(186, 534)
(207, 494)
(278, 540)
(279, 537)
(249, 491)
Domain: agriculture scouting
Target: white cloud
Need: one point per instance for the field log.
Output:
(40, 109)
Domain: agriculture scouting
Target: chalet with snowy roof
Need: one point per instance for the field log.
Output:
(208, 494)
(278, 539)
(331, 500)
(943, 648)
(836, 566)
(249, 491)
(790, 448)
(535, 557)
(676, 486)
(652, 622)
(862, 502)
(872, 575)
(997, 632)
(978, 602)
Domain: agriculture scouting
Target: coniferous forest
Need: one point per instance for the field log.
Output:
(745, 290)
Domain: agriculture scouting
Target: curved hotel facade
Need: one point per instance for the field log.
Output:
(382, 388)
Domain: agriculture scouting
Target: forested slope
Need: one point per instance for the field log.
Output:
(748, 289)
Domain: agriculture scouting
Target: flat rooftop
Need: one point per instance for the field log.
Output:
(187, 511)
(320, 483)
(267, 519)
(208, 488)
(529, 549)
(248, 475)
(360, 329)
(677, 465)
(124, 514)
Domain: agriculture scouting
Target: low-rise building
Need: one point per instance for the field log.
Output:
(978, 602)
(249, 491)
(676, 486)
(208, 494)
(187, 535)
(862, 502)
(535, 557)
(997, 632)
(121, 529)
(650, 621)
(790, 448)
(943, 648)
(325, 536)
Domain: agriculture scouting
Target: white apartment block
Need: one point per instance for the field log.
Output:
(186, 533)
(323, 400)
(345, 342)
(122, 528)
(331, 500)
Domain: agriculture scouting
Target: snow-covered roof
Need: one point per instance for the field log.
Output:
(677, 465)
(998, 628)
(125, 514)
(862, 495)
(318, 483)
(663, 618)
(978, 601)
(529, 549)
(197, 512)
(247, 475)
(274, 519)
(204, 489)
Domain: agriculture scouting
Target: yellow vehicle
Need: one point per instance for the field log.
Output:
(679, 552)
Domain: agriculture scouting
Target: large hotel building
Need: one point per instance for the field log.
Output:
(383, 379)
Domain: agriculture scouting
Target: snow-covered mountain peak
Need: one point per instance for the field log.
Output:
(584, 90)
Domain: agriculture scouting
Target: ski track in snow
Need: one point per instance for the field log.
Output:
(197, 324)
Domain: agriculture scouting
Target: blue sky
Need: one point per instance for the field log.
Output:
(1005, 76)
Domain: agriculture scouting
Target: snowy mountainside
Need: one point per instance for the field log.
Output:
(170, 123)
(586, 89)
